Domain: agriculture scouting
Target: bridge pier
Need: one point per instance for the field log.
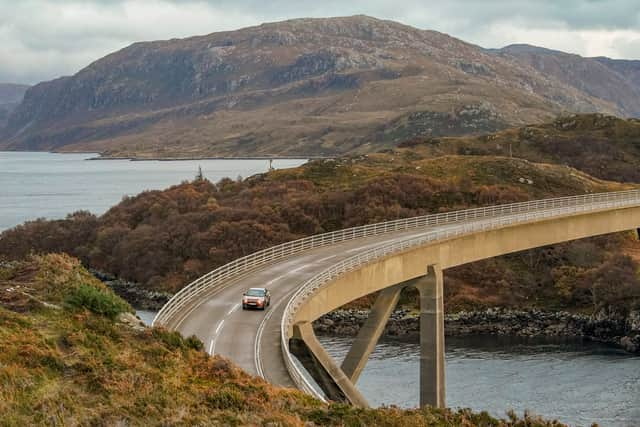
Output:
(321, 366)
(432, 382)
(370, 332)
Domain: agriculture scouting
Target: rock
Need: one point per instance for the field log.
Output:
(631, 343)
(633, 320)
(133, 293)
(132, 321)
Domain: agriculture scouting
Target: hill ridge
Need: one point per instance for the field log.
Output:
(308, 86)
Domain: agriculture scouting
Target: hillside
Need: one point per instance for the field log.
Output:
(602, 146)
(616, 81)
(10, 97)
(73, 355)
(299, 87)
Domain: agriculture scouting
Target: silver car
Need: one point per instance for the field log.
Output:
(256, 298)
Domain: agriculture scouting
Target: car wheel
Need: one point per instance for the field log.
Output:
(244, 307)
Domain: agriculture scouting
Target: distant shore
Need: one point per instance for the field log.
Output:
(98, 156)
(174, 159)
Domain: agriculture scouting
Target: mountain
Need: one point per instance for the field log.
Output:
(10, 97)
(616, 81)
(298, 87)
(630, 69)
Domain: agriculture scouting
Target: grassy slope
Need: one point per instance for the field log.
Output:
(602, 146)
(64, 364)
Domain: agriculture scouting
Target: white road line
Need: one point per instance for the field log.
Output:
(276, 279)
(295, 270)
(212, 346)
(326, 258)
(219, 327)
(257, 344)
(234, 308)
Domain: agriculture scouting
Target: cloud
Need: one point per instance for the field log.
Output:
(45, 39)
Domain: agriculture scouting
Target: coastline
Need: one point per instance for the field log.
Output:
(176, 159)
(99, 156)
(138, 297)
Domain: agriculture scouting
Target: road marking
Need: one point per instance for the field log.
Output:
(219, 327)
(234, 308)
(277, 278)
(212, 346)
(257, 343)
(326, 258)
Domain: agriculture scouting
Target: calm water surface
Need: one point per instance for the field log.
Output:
(575, 382)
(34, 185)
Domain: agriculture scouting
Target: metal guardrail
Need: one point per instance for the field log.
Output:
(244, 266)
(550, 209)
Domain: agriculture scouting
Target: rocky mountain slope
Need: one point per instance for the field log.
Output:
(616, 81)
(10, 97)
(298, 87)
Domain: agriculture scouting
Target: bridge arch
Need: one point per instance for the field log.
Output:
(316, 274)
(455, 246)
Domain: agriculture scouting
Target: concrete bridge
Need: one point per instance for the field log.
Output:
(315, 275)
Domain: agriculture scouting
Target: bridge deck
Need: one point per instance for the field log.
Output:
(252, 338)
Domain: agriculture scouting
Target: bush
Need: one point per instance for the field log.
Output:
(194, 343)
(226, 397)
(97, 301)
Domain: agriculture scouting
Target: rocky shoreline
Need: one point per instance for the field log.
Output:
(133, 293)
(605, 326)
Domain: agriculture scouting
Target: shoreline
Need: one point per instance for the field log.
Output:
(186, 159)
(605, 327)
(99, 156)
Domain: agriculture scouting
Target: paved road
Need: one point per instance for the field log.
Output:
(251, 339)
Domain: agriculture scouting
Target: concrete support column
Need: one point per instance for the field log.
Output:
(306, 347)
(370, 332)
(432, 382)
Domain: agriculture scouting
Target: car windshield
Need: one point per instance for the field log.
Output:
(255, 292)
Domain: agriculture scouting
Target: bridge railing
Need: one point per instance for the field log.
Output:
(545, 210)
(226, 274)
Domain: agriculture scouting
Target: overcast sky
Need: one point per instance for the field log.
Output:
(41, 40)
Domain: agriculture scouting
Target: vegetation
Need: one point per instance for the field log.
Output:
(165, 239)
(606, 147)
(96, 300)
(61, 365)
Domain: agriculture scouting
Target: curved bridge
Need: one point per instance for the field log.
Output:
(315, 275)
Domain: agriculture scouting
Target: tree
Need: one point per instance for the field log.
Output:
(199, 175)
